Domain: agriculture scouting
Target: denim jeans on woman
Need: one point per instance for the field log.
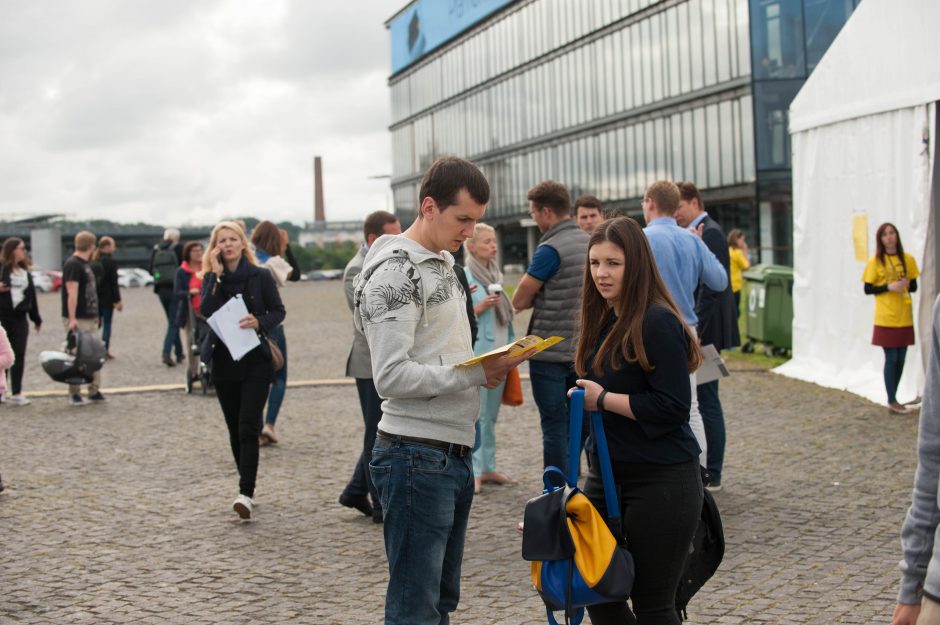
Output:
(279, 385)
(171, 340)
(426, 495)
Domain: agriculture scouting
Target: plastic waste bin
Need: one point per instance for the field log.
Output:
(769, 318)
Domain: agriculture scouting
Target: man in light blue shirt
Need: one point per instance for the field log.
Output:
(683, 261)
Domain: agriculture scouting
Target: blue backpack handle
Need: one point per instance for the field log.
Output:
(576, 412)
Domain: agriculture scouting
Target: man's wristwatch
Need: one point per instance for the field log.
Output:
(600, 400)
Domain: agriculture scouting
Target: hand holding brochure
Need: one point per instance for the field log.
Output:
(515, 348)
(224, 322)
(713, 366)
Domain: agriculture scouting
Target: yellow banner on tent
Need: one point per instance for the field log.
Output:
(860, 236)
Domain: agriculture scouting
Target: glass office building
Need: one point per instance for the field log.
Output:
(607, 96)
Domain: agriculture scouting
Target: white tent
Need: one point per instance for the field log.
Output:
(863, 131)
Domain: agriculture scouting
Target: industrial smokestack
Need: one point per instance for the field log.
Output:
(319, 212)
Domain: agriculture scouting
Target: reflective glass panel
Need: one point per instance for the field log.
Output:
(771, 107)
(823, 21)
(777, 39)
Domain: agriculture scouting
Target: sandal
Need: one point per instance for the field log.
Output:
(495, 477)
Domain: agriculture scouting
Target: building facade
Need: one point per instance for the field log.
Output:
(607, 96)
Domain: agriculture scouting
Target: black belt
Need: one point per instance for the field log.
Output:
(452, 449)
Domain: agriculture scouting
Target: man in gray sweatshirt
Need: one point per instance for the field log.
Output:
(919, 595)
(411, 308)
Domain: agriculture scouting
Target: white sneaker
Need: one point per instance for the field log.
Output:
(18, 400)
(243, 506)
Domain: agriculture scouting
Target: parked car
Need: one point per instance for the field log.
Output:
(134, 276)
(42, 281)
(56, 277)
(324, 274)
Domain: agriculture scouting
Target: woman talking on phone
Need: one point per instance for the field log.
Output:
(634, 356)
(242, 386)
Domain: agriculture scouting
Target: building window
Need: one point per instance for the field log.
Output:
(777, 39)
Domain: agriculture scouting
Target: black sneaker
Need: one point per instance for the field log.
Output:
(713, 486)
(77, 400)
(98, 397)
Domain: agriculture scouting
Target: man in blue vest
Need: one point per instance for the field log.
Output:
(551, 286)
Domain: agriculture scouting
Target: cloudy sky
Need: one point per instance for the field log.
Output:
(190, 111)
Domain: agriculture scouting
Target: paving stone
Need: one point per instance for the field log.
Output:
(121, 513)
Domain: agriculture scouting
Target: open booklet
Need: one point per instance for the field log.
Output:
(515, 348)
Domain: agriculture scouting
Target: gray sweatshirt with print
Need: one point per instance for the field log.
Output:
(920, 568)
(412, 311)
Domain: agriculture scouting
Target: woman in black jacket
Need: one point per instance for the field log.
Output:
(109, 292)
(17, 306)
(634, 355)
(242, 386)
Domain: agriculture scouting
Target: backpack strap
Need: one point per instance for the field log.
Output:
(576, 412)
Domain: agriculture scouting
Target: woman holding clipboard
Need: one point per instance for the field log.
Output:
(242, 386)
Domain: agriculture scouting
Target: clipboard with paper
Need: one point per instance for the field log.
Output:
(224, 322)
(516, 347)
(713, 366)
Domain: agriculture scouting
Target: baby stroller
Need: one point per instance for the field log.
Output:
(196, 330)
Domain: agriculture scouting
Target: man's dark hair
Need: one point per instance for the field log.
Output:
(588, 201)
(688, 191)
(552, 194)
(447, 176)
(375, 223)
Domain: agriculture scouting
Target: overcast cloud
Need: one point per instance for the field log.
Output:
(188, 112)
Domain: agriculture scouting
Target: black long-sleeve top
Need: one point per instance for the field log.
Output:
(871, 289)
(109, 291)
(262, 300)
(660, 400)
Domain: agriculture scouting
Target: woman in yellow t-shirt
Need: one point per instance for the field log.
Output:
(737, 250)
(891, 276)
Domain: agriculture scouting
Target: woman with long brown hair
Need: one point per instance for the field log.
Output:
(269, 246)
(109, 291)
(891, 276)
(634, 356)
(231, 270)
(18, 306)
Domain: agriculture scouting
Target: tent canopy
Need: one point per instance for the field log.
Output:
(861, 131)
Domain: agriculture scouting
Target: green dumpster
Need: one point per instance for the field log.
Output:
(769, 318)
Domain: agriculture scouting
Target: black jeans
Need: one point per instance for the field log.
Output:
(660, 506)
(371, 404)
(242, 402)
(17, 329)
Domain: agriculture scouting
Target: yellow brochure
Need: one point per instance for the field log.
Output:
(515, 348)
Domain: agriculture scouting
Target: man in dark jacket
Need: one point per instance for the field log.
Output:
(717, 323)
(165, 258)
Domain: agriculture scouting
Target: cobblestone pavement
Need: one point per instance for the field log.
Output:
(121, 513)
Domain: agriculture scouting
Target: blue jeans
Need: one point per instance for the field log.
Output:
(171, 339)
(107, 314)
(713, 417)
(550, 384)
(279, 385)
(371, 405)
(426, 495)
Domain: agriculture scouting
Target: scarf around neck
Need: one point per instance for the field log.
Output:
(487, 275)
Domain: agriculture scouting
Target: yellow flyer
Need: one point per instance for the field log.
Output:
(515, 348)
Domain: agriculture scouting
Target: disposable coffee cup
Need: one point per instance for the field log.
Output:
(494, 288)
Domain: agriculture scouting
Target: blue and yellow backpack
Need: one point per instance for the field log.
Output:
(577, 556)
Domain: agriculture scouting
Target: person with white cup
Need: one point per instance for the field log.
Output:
(494, 321)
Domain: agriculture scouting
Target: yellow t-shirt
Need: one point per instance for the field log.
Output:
(892, 310)
(739, 263)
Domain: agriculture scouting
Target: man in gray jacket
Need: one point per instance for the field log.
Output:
(411, 308)
(359, 365)
(919, 596)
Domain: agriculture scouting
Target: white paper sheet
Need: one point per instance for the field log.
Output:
(224, 322)
(713, 366)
